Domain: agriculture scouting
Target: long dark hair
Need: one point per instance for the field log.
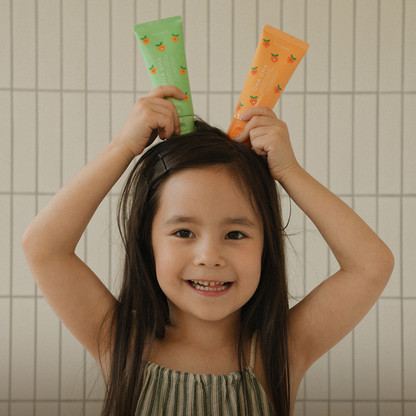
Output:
(267, 310)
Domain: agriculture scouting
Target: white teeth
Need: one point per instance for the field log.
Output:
(205, 283)
(199, 285)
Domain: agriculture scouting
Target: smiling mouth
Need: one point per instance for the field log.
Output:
(209, 286)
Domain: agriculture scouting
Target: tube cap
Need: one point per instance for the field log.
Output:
(187, 124)
(236, 127)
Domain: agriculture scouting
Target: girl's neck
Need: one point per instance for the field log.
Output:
(205, 334)
(199, 347)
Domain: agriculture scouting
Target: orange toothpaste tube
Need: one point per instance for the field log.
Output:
(276, 58)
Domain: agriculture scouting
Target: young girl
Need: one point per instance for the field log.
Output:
(202, 324)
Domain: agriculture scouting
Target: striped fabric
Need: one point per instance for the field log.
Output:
(170, 393)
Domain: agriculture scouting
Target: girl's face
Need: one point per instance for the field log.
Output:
(207, 243)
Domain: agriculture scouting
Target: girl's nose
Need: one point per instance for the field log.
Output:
(209, 254)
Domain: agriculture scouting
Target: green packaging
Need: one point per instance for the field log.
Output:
(163, 49)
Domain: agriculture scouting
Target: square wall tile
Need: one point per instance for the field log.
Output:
(5, 349)
(98, 124)
(24, 141)
(73, 131)
(293, 114)
(340, 144)
(49, 142)
(47, 352)
(341, 409)
(23, 349)
(389, 144)
(94, 382)
(391, 34)
(365, 357)
(6, 142)
(195, 26)
(366, 208)
(389, 213)
(5, 244)
(49, 44)
(21, 409)
(317, 74)
(390, 347)
(342, 45)
(47, 408)
(409, 46)
(409, 409)
(317, 380)
(93, 408)
(71, 407)
(220, 115)
(316, 146)
(23, 43)
(24, 211)
(390, 408)
(122, 45)
(170, 8)
(270, 13)
(365, 409)
(408, 234)
(245, 41)
(292, 21)
(200, 102)
(72, 367)
(5, 44)
(366, 45)
(316, 409)
(220, 48)
(98, 44)
(409, 144)
(365, 143)
(73, 44)
(409, 348)
(341, 367)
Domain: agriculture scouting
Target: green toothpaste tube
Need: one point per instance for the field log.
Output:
(163, 49)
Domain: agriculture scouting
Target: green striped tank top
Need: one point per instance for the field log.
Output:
(171, 393)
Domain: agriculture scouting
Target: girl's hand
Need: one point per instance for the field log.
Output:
(269, 136)
(151, 116)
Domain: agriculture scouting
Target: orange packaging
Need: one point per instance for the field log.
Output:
(276, 58)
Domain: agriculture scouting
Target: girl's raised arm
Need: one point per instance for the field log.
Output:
(338, 304)
(75, 293)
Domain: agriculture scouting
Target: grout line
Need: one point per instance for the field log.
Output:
(86, 231)
(354, 44)
(11, 208)
(42, 297)
(305, 92)
(340, 195)
(328, 250)
(35, 369)
(401, 204)
(377, 192)
(61, 82)
(231, 91)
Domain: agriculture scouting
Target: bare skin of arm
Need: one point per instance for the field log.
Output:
(337, 305)
(74, 292)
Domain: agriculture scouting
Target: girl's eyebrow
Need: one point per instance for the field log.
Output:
(179, 219)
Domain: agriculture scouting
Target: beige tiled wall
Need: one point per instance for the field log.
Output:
(70, 71)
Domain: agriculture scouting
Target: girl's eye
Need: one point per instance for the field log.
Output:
(185, 234)
(235, 235)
